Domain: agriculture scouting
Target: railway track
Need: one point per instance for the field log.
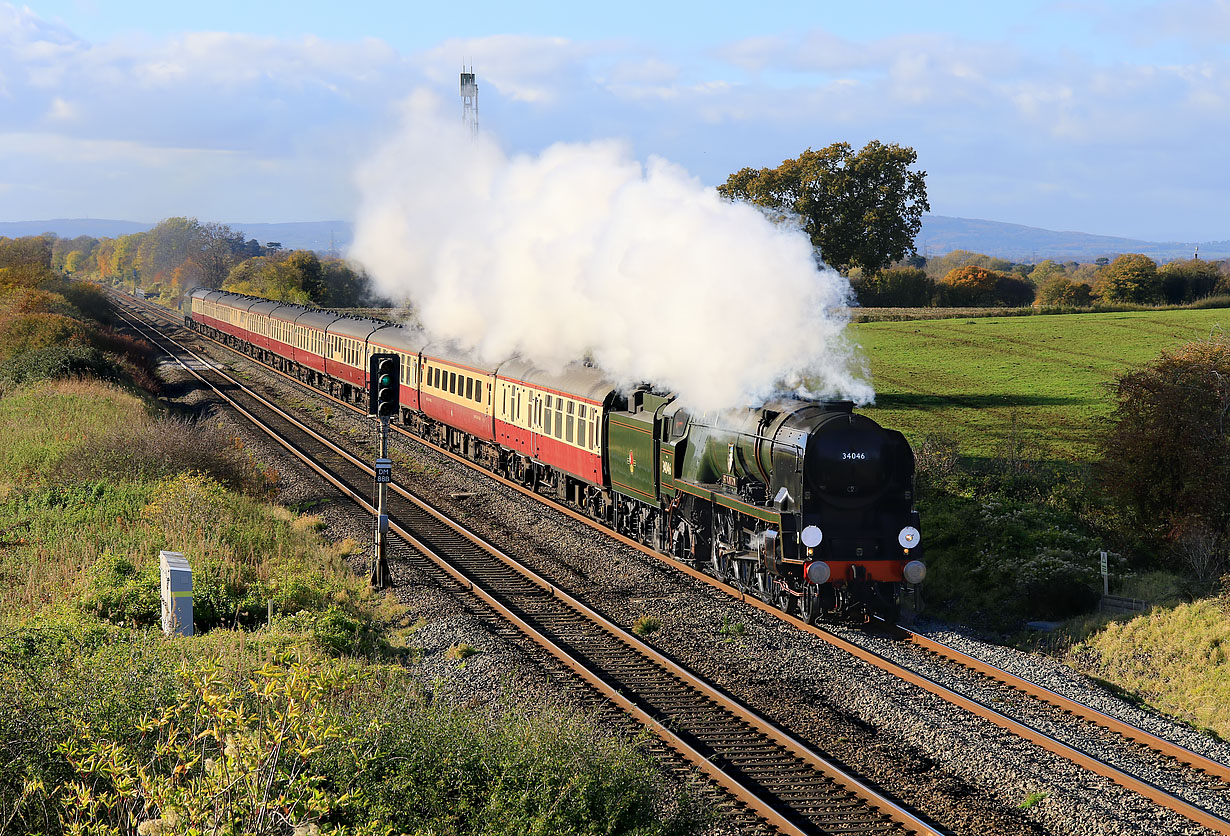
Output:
(782, 780)
(1215, 771)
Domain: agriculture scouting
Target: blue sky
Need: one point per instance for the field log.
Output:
(1092, 116)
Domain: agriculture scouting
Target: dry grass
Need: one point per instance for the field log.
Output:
(1176, 660)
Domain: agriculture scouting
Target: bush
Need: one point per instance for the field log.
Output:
(56, 362)
(1166, 454)
(120, 593)
(26, 332)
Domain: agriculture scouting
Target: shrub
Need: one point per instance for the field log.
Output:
(1166, 455)
(56, 362)
(27, 332)
(225, 759)
(118, 592)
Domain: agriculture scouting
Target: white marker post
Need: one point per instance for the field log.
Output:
(1105, 574)
(176, 594)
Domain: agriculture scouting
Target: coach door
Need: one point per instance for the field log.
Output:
(535, 424)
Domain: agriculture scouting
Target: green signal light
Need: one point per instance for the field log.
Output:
(386, 379)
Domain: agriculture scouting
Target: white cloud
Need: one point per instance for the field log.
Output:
(533, 70)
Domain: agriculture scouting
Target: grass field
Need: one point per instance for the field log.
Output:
(1044, 379)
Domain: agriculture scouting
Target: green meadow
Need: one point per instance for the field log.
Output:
(1040, 383)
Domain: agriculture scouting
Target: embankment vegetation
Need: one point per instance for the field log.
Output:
(298, 706)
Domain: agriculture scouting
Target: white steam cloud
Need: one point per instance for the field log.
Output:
(583, 251)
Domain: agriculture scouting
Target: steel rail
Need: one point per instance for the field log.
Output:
(1173, 750)
(1122, 778)
(890, 809)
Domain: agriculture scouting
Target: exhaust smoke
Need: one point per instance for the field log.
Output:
(582, 251)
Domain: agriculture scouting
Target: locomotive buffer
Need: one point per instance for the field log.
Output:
(384, 404)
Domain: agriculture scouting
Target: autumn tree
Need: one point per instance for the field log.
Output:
(941, 265)
(1044, 270)
(1167, 452)
(861, 209)
(1059, 290)
(1129, 278)
(978, 286)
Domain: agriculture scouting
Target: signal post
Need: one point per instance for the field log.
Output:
(384, 404)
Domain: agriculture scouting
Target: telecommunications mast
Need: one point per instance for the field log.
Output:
(469, 100)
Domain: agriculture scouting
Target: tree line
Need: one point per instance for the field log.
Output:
(863, 210)
(180, 254)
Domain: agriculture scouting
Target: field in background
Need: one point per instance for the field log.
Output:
(1041, 382)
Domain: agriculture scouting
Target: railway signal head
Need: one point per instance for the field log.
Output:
(384, 385)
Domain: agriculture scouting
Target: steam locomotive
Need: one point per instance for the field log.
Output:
(807, 505)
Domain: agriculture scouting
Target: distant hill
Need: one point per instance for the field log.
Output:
(72, 227)
(302, 235)
(940, 234)
(1014, 242)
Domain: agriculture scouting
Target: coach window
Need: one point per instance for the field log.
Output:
(546, 419)
(559, 417)
(469, 388)
(581, 422)
(452, 383)
(568, 433)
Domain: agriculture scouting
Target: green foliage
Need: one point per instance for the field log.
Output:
(299, 277)
(270, 277)
(1044, 270)
(56, 362)
(454, 773)
(223, 760)
(1059, 290)
(1173, 659)
(895, 287)
(999, 554)
(30, 251)
(731, 630)
(1033, 799)
(1167, 453)
(339, 632)
(645, 625)
(120, 593)
(861, 209)
(1129, 278)
(1186, 281)
(38, 331)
